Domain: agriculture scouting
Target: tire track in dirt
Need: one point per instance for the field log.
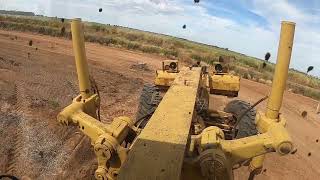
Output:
(21, 131)
(16, 142)
(32, 89)
(14, 153)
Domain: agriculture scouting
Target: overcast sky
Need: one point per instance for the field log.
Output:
(247, 26)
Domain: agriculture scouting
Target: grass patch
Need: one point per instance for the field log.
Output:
(167, 46)
(54, 103)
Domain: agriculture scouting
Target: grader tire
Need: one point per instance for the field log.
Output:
(149, 100)
(247, 126)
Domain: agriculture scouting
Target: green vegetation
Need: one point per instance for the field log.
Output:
(167, 46)
(53, 103)
(20, 13)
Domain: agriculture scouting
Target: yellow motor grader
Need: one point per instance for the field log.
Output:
(220, 82)
(165, 77)
(177, 138)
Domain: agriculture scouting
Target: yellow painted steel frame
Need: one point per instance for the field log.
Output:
(274, 137)
(106, 139)
(164, 78)
(224, 84)
(159, 150)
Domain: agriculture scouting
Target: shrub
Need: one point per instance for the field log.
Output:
(132, 36)
(147, 42)
(154, 40)
(150, 49)
(133, 46)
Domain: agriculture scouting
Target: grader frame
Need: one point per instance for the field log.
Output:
(167, 148)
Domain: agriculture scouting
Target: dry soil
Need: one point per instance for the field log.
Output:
(37, 81)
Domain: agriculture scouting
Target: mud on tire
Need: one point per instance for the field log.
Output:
(149, 100)
(247, 126)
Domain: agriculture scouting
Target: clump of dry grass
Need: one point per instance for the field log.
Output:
(170, 47)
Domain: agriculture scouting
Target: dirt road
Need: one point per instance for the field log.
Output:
(37, 81)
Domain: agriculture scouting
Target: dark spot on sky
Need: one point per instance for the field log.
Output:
(310, 68)
(100, 9)
(267, 56)
(196, 1)
(184, 26)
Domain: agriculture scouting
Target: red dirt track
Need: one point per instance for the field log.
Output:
(35, 87)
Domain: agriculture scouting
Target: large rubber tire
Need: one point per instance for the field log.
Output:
(247, 126)
(150, 98)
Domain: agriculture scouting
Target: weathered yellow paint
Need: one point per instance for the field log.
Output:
(80, 56)
(106, 139)
(224, 84)
(158, 151)
(265, 122)
(256, 164)
(275, 139)
(281, 70)
(164, 78)
(210, 138)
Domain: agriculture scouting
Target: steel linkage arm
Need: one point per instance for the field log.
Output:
(232, 152)
(278, 85)
(273, 136)
(106, 139)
